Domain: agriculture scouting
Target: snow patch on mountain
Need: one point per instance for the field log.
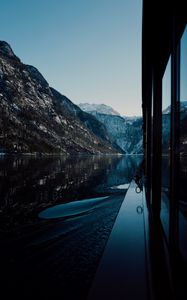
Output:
(99, 108)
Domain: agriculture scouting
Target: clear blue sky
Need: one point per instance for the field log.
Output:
(183, 75)
(183, 88)
(89, 50)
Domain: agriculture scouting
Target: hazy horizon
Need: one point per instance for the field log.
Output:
(90, 51)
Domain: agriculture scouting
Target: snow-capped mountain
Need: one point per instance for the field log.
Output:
(99, 108)
(36, 118)
(126, 132)
(183, 108)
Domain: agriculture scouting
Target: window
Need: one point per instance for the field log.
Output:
(166, 129)
(183, 150)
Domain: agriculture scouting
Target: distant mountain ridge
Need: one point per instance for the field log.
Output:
(183, 108)
(124, 131)
(36, 118)
(166, 128)
(99, 108)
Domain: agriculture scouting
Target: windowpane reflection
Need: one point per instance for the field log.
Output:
(183, 150)
(166, 128)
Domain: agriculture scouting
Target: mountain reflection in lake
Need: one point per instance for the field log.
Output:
(57, 257)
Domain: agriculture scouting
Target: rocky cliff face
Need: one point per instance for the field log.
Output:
(36, 118)
(87, 119)
(99, 108)
(126, 132)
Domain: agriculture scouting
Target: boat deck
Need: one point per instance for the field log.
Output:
(122, 273)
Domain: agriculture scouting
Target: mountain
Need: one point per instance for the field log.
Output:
(99, 108)
(183, 108)
(36, 118)
(126, 132)
(166, 128)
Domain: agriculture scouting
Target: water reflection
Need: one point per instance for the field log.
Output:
(27, 185)
(57, 258)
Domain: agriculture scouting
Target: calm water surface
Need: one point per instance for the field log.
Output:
(56, 217)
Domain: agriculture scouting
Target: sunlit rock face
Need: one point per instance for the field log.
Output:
(36, 118)
(126, 132)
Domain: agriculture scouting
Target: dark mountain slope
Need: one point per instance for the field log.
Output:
(33, 117)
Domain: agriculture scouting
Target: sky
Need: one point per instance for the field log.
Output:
(89, 50)
(166, 86)
(166, 100)
(183, 74)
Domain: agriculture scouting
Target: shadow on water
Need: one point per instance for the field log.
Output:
(57, 256)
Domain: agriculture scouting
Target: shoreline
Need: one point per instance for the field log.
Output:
(67, 155)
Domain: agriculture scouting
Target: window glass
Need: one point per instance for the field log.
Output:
(166, 128)
(183, 149)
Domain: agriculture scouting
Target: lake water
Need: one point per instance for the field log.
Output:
(56, 217)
